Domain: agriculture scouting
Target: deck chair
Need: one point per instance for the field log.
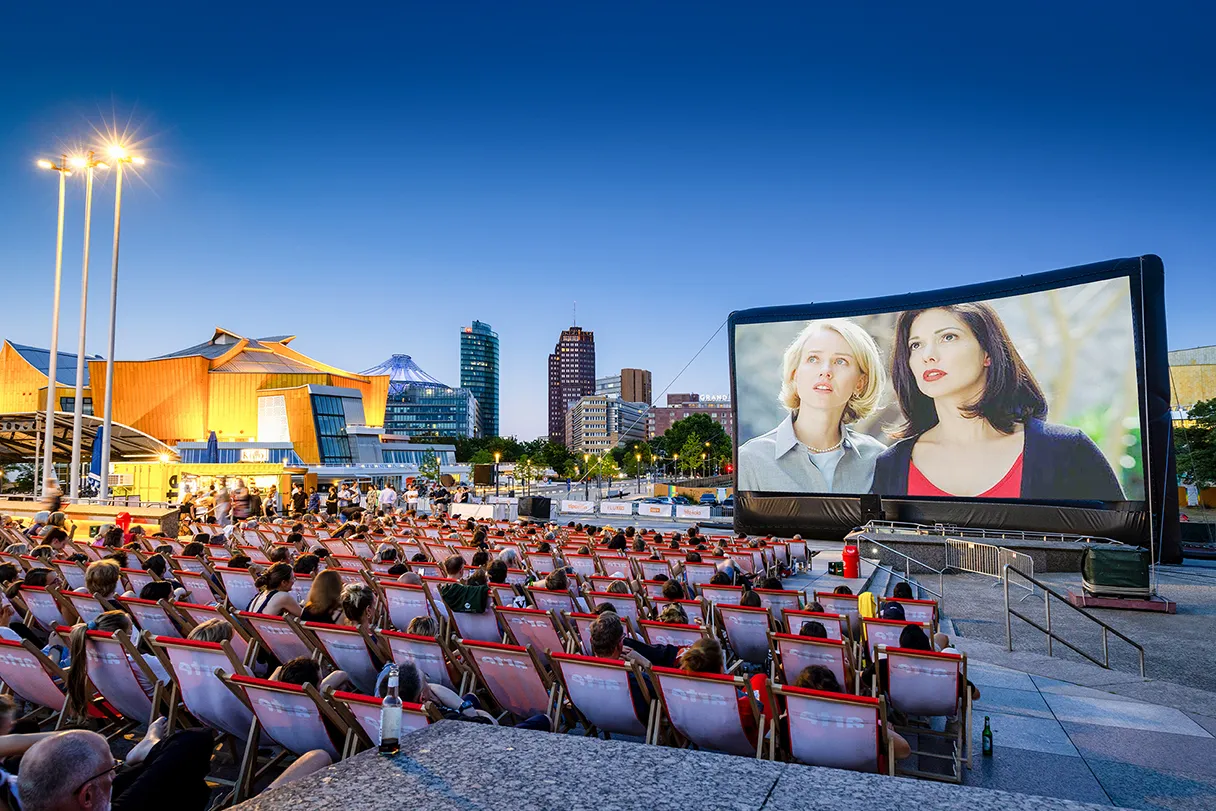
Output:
(198, 587)
(151, 616)
(722, 595)
(33, 677)
(704, 709)
(559, 602)
(746, 631)
(361, 716)
(693, 609)
(405, 602)
(336, 546)
(482, 627)
(615, 565)
(292, 716)
(792, 654)
(924, 611)
(921, 683)
(599, 691)
(348, 576)
(255, 554)
(835, 730)
(43, 608)
(347, 649)
(137, 578)
(661, 633)
(72, 573)
(837, 625)
(531, 626)
(653, 568)
(112, 666)
(362, 549)
(778, 601)
(884, 632)
(187, 563)
(517, 577)
(503, 594)
(653, 589)
(275, 635)
(601, 582)
(85, 606)
(841, 604)
(626, 605)
(583, 565)
(425, 569)
(580, 625)
(429, 656)
(514, 678)
(541, 562)
(239, 585)
(300, 586)
(797, 553)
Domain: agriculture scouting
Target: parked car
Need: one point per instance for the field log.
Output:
(708, 500)
(728, 505)
(657, 500)
(681, 500)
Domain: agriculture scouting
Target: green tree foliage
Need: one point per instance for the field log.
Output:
(429, 466)
(1195, 445)
(701, 427)
(19, 478)
(690, 453)
(482, 457)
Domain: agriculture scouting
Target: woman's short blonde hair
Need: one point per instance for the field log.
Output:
(869, 363)
(102, 577)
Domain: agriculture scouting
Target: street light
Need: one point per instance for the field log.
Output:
(675, 463)
(48, 435)
(88, 163)
(497, 456)
(638, 471)
(119, 155)
(586, 477)
(704, 464)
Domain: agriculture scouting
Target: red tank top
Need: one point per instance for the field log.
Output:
(1008, 487)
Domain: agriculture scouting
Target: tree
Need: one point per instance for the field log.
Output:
(21, 476)
(429, 466)
(690, 453)
(705, 429)
(1195, 445)
(482, 457)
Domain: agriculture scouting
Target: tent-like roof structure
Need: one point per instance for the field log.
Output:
(403, 372)
(65, 369)
(20, 433)
(223, 342)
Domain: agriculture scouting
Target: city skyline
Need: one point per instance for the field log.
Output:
(659, 175)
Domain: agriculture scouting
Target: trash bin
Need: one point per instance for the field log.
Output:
(852, 561)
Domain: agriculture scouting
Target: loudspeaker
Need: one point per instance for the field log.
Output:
(534, 507)
(483, 474)
(871, 508)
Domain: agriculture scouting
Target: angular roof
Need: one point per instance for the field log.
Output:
(222, 342)
(264, 361)
(403, 372)
(65, 368)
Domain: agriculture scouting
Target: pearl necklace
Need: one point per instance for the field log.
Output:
(813, 449)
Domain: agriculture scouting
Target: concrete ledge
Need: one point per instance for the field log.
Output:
(454, 765)
(1048, 556)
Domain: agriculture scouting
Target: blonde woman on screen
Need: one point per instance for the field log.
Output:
(832, 376)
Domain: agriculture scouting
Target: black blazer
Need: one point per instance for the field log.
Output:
(1059, 463)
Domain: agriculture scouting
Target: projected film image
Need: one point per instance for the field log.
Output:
(1032, 397)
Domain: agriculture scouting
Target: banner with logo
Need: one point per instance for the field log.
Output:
(687, 511)
(616, 508)
(578, 507)
(654, 510)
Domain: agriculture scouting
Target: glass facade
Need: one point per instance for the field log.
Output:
(331, 430)
(423, 410)
(69, 404)
(479, 372)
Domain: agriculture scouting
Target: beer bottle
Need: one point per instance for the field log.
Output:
(986, 739)
(390, 716)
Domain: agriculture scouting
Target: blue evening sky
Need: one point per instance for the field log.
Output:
(373, 177)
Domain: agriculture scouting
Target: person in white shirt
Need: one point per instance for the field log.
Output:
(388, 499)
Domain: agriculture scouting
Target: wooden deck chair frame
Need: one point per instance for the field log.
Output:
(324, 708)
(555, 690)
(451, 662)
(652, 717)
(504, 612)
(777, 694)
(357, 738)
(136, 660)
(852, 674)
(739, 683)
(723, 611)
(53, 671)
(961, 738)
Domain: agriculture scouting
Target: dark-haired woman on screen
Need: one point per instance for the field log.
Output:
(832, 376)
(974, 418)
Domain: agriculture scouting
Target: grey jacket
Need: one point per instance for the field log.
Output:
(776, 462)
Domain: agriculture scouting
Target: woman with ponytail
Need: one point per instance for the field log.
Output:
(109, 622)
(274, 595)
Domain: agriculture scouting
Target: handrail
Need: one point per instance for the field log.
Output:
(979, 532)
(1048, 593)
(908, 561)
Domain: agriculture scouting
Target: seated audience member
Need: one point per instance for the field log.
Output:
(818, 677)
(769, 583)
(359, 609)
(274, 592)
(307, 564)
(279, 554)
(705, 656)
(497, 572)
(619, 586)
(902, 591)
(912, 638)
(160, 590)
(67, 771)
(608, 641)
(557, 581)
(673, 590)
(720, 579)
(813, 629)
(212, 630)
(842, 590)
(815, 606)
(305, 670)
(102, 580)
(422, 626)
(893, 611)
(750, 600)
(673, 614)
(463, 597)
(324, 603)
(398, 569)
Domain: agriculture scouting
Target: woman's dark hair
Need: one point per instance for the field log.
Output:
(750, 600)
(902, 591)
(156, 565)
(480, 558)
(119, 557)
(814, 629)
(55, 534)
(1011, 394)
(275, 576)
(239, 562)
(193, 550)
(673, 590)
(842, 590)
(818, 677)
(693, 557)
(295, 538)
(37, 577)
(113, 537)
(497, 571)
(307, 564)
(278, 554)
(301, 670)
(160, 590)
(8, 572)
(720, 579)
(913, 637)
(202, 538)
(419, 557)
(398, 569)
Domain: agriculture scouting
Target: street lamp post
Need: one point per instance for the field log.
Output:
(675, 463)
(120, 156)
(88, 163)
(586, 477)
(704, 464)
(497, 456)
(638, 471)
(48, 463)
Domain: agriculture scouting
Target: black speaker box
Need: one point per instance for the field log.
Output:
(534, 507)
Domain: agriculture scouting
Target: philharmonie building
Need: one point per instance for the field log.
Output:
(227, 407)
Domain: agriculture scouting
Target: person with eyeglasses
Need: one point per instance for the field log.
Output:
(75, 771)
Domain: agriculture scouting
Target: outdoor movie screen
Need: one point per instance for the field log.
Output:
(1032, 397)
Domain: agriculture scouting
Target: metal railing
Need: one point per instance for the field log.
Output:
(940, 594)
(901, 528)
(987, 559)
(1048, 593)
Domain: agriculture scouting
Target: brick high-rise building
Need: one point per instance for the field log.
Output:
(571, 376)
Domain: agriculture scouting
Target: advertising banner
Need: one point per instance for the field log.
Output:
(655, 510)
(616, 508)
(687, 511)
(578, 507)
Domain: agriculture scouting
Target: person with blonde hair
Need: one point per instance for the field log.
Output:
(832, 377)
(102, 580)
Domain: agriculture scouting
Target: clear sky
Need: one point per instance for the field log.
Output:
(373, 177)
